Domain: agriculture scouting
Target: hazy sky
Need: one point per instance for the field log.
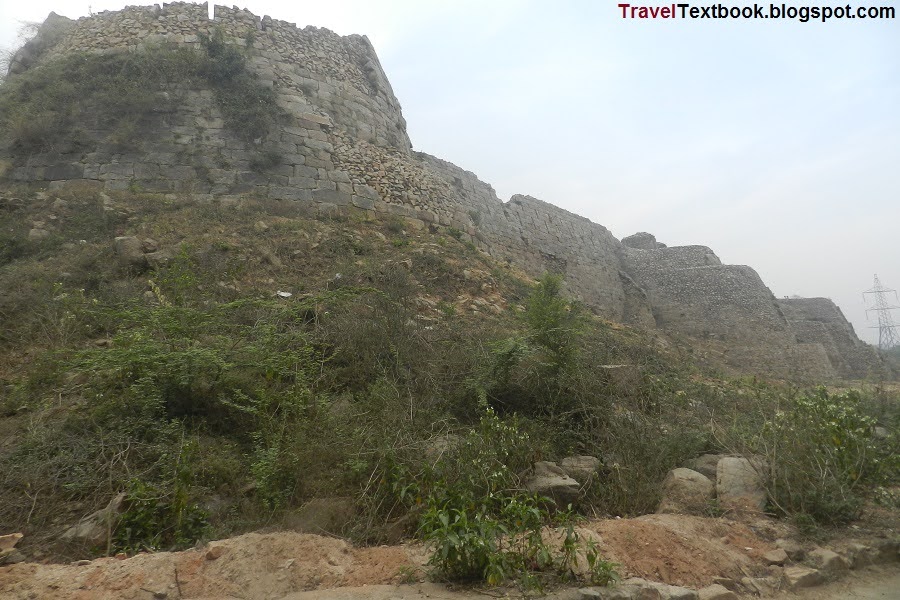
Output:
(776, 143)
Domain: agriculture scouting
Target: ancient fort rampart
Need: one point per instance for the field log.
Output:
(341, 145)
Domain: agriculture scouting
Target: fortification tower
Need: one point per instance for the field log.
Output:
(888, 337)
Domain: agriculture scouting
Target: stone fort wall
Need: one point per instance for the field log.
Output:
(342, 146)
(819, 320)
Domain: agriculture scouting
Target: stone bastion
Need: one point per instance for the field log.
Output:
(341, 146)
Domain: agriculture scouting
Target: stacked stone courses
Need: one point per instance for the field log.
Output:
(341, 146)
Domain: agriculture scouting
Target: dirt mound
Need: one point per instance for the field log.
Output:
(675, 549)
(682, 550)
(248, 566)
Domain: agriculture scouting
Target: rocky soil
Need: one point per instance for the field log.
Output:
(692, 553)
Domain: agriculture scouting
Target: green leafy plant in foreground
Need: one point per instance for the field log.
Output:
(823, 456)
(483, 527)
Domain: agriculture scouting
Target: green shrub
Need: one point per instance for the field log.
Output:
(162, 516)
(479, 523)
(822, 454)
(249, 108)
(454, 233)
(532, 373)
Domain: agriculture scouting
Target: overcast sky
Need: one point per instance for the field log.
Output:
(776, 143)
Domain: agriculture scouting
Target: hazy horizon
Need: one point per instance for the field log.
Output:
(774, 143)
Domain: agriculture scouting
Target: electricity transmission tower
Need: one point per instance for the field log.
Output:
(888, 336)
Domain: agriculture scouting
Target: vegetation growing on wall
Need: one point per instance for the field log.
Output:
(54, 106)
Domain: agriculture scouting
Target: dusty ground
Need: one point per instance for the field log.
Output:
(675, 549)
(249, 566)
(874, 583)
(683, 550)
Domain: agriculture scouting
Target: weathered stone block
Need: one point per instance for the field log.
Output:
(332, 196)
(290, 193)
(252, 177)
(301, 170)
(366, 192)
(64, 171)
(179, 173)
(364, 203)
(221, 176)
(305, 183)
(146, 170)
(116, 171)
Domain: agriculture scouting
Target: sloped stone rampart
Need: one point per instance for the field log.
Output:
(820, 321)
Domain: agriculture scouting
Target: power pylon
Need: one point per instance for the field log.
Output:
(888, 336)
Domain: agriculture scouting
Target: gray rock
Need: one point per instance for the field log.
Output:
(331, 197)
(159, 258)
(36, 234)
(9, 541)
(682, 593)
(686, 492)
(796, 578)
(149, 245)
(363, 203)
(130, 251)
(861, 555)
(551, 481)
(706, 464)
(888, 550)
(11, 557)
(64, 171)
(827, 560)
(642, 589)
(717, 592)
(95, 528)
(794, 550)
(739, 485)
(580, 468)
(775, 557)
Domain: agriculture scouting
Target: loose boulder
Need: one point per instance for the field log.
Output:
(828, 561)
(739, 484)
(580, 468)
(717, 592)
(95, 529)
(686, 492)
(130, 252)
(706, 464)
(8, 552)
(794, 550)
(551, 481)
(796, 578)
